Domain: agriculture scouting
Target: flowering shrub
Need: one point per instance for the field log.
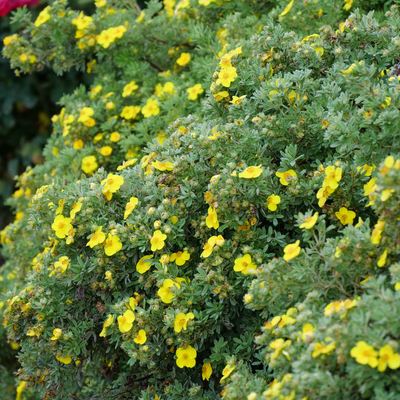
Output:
(163, 231)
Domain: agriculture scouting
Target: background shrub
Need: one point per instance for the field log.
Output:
(290, 132)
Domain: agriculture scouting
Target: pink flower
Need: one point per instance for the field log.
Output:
(7, 5)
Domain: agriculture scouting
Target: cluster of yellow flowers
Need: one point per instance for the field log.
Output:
(228, 73)
(108, 36)
(43, 17)
(330, 184)
(367, 355)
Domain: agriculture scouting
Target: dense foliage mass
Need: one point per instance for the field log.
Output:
(217, 215)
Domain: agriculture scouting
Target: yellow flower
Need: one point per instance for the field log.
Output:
(208, 247)
(333, 176)
(18, 193)
(221, 95)
(368, 114)
(163, 166)
(76, 207)
(89, 165)
(113, 245)
(109, 321)
(323, 195)
(352, 68)
(105, 38)
(348, 4)
(291, 251)
(141, 17)
(95, 91)
(60, 266)
(183, 59)
(279, 346)
(323, 348)
(125, 321)
(370, 187)
(286, 177)
(181, 321)
(56, 334)
(194, 91)
(20, 389)
(158, 240)
(118, 31)
(165, 293)
(212, 218)
(271, 324)
(287, 9)
(243, 264)
(112, 183)
(144, 264)
(308, 332)
(205, 3)
(61, 226)
(108, 275)
(78, 144)
(206, 371)
(382, 259)
(141, 337)
(97, 238)
(376, 235)
(106, 150)
(115, 137)
(287, 319)
(388, 358)
(151, 108)
(345, 216)
(237, 100)
(227, 371)
(365, 354)
(129, 88)
(226, 76)
(85, 113)
(320, 51)
(130, 112)
(186, 357)
(65, 360)
(174, 219)
(127, 164)
(273, 202)
(397, 286)
(251, 172)
(386, 194)
(9, 39)
(133, 202)
(180, 258)
(43, 17)
(81, 21)
(309, 222)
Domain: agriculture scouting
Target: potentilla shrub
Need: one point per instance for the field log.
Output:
(136, 273)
